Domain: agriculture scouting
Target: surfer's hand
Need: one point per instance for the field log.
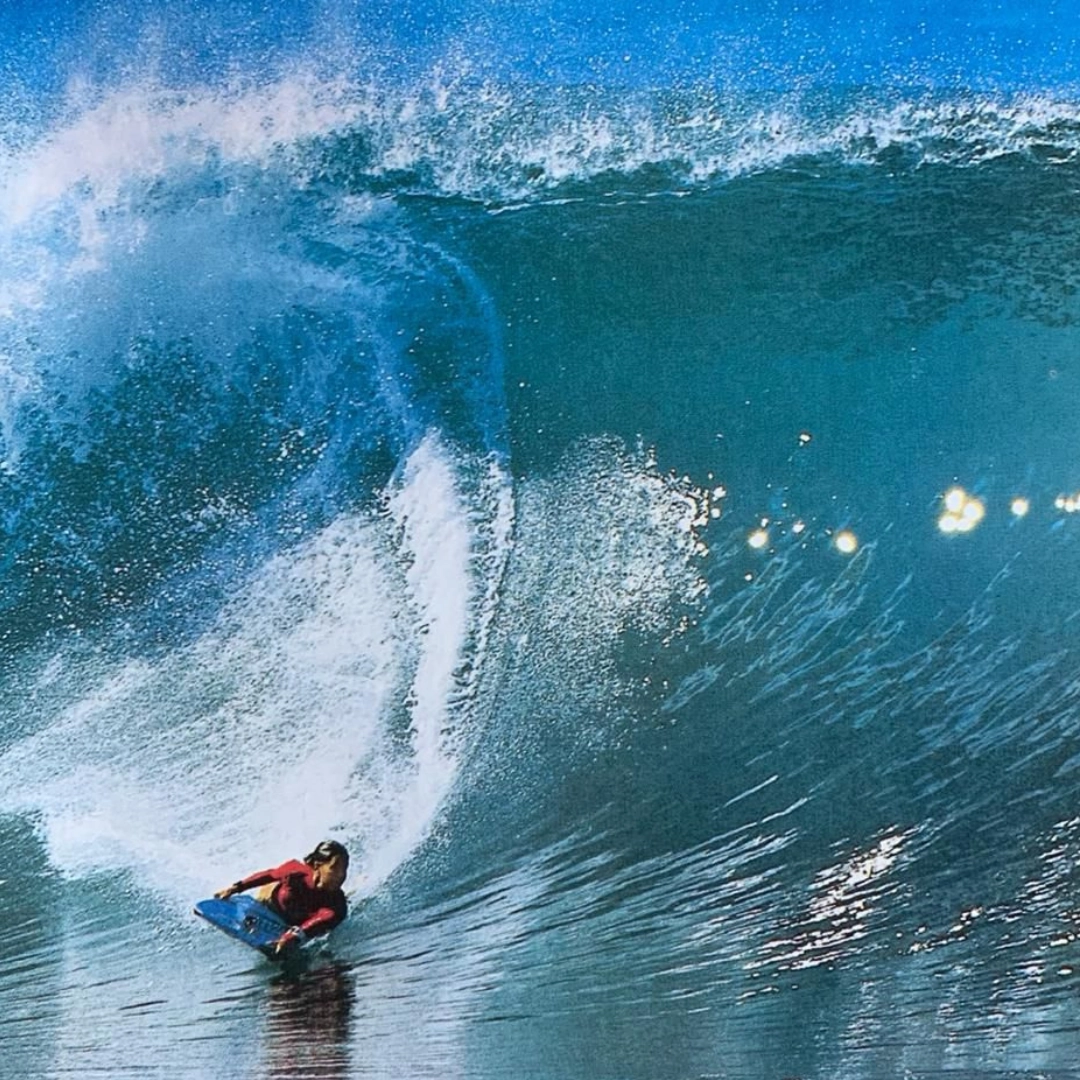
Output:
(224, 894)
(292, 937)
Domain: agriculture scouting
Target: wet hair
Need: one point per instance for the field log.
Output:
(325, 851)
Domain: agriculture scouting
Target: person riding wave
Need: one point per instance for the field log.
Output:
(307, 895)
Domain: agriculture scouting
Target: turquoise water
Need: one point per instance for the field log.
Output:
(615, 472)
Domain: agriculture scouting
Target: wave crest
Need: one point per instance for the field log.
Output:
(453, 136)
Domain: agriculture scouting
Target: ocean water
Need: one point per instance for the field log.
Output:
(613, 467)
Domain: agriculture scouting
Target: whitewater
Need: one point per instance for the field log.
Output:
(614, 469)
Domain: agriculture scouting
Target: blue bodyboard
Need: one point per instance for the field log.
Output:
(245, 919)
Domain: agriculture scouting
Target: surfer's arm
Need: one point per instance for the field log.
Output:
(321, 922)
(261, 877)
(316, 924)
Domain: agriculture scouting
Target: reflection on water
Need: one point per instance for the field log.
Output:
(308, 1025)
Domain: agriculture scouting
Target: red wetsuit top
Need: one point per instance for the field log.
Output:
(300, 901)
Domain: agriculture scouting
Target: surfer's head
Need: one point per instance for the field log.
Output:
(330, 860)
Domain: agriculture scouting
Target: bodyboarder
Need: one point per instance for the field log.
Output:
(307, 894)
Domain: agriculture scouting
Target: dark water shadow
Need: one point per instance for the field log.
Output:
(309, 1023)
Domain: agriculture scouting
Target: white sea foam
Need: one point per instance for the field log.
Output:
(610, 549)
(325, 700)
(144, 132)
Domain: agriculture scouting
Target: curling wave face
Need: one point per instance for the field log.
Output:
(228, 396)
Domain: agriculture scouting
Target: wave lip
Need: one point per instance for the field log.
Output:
(502, 144)
(451, 135)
